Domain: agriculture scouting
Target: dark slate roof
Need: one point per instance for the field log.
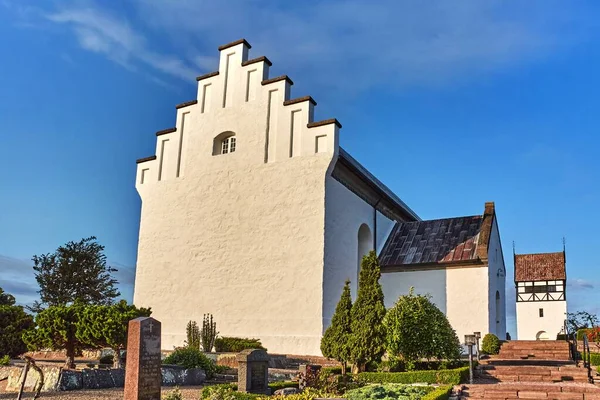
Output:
(540, 267)
(434, 241)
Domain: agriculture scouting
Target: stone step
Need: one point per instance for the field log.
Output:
(497, 360)
(550, 391)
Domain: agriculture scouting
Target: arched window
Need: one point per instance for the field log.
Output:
(224, 143)
(365, 244)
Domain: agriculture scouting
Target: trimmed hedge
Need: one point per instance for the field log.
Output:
(447, 377)
(235, 344)
(226, 387)
(282, 385)
(440, 393)
(595, 358)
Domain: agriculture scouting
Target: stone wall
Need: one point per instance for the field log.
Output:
(59, 379)
(279, 361)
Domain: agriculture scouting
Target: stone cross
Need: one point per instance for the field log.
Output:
(142, 372)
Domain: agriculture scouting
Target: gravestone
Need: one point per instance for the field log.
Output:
(142, 371)
(253, 371)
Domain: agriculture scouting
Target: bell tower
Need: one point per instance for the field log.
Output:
(541, 282)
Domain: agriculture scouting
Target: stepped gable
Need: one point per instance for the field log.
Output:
(440, 241)
(540, 267)
(291, 129)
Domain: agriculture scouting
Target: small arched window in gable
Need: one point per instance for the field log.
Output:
(224, 143)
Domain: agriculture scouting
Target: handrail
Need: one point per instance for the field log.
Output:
(587, 358)
(571, 339)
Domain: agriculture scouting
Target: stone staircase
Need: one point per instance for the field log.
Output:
(530, 370)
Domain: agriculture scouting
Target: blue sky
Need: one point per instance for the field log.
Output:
(450, 104)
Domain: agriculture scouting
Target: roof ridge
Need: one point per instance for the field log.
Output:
(539, 254)
(441, 219)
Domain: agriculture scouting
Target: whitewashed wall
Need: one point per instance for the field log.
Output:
(530, 324)
(238, 235)
(345, 212)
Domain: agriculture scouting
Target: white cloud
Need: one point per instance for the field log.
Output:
(579, 283)
(101, 32)
(347, 45)
(359, 44)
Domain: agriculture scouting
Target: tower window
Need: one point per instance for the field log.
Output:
(228, 145)
(541, 313)
(224, 143)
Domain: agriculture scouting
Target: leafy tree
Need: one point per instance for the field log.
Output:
(417, 329)
(75, 271)
(14, 321)
(335, 341)
(581, 320)
(193, 335)
(367, 341)
(106, 326)
(6, 299)
(56, 329)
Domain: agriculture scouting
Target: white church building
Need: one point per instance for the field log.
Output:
(252, 212)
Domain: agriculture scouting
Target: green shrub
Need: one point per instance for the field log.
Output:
(446, 377)
(582, 332)
(595, 358)
(174, 394)
(388, 391)
(490, 344)
(282, 385)
(441, 393)
(5, 360)
(307, 394)
(235, 344)
(331, 370)
(417, 329)
(188, 357)
(225, 391)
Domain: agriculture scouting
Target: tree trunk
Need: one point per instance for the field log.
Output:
(344, 368)
(117, 359)
(70, 361)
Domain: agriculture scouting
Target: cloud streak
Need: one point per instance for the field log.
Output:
(349, 45)
(100, 32)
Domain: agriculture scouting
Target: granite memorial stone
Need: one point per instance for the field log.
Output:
(142, 372)
(253, 371)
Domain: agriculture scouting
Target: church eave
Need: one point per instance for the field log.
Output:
(476, 262)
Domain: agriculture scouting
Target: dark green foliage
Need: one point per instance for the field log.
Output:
(14, 321)
(193, 335)
(388, 391)
(445, 377)
(100, 326)
(490, 344)
(335, 341)
(209, 332)
(581, 319)
(440, 393)
(398, 365)
(76, 271)
(6, 299)
(226, 392)
(417, 329)
(235, 344)
(367, 341)
(583, 332)
(188, 357)
(595, 358)
(56, 329)
(4, 361)
(282, 385)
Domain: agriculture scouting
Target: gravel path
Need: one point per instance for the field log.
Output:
(189, 393)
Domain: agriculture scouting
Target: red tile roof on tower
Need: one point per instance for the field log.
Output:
(540, 267)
